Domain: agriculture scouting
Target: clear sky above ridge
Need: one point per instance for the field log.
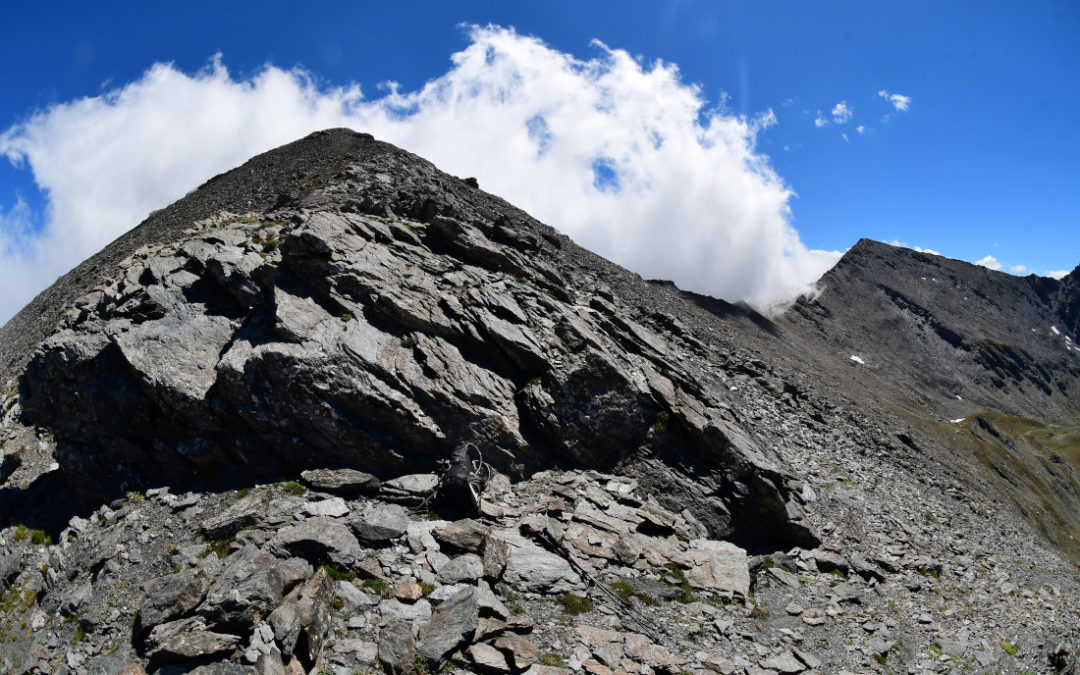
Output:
(947, 126)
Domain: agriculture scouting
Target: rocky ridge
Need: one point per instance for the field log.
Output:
(370, 316)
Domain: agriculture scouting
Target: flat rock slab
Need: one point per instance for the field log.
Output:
(462, 535)
(416, 485)
(534, 569)
(335, 507)
(455, 622)
(318, 539)
(467, 567)
(380, 523)
(344, 482)
(720, 567)
(244, 513)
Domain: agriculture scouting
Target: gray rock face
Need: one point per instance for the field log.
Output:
(187, 639)
(244, 513)
(454, 623)
(381, 523)
(301, 621)
(331, 336)
(535, 569)
(368, 318)
(397, 648)
(463, 535)
(319, 539)
(252, 583)
(171, 597)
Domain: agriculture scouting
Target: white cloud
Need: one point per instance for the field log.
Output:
(989, 262)
(861, 129)
(1018, 269)
(920, 249)
(841, 113)
(898, 101)
(820, 121)
(1056, 274)
(694, 201)
(844, 136)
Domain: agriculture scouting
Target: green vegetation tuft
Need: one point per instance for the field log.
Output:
(623, 589)
(338, 574)
(294, 488)
(663, 422)
(575, 604)
(1010, 648)
(380, 587)
(82, 629)
(36, 537)
(677, 576)
(553, 660)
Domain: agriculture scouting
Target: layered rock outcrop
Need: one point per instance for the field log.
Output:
(340, 334)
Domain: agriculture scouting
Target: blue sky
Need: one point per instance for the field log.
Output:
(979, 156)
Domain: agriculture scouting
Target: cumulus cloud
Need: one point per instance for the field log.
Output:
(989, 262)
(898, 101)
(687, 195)
(1056, 274)
(1018, 269)
(820, 121)
(861, 129)
(841, 112)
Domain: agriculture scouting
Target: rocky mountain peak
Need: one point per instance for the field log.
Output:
(952, 328)
(338, 411)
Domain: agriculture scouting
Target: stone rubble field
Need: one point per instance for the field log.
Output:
(342, 574)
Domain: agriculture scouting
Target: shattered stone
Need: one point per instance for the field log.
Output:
(397, 649)
(454, 623)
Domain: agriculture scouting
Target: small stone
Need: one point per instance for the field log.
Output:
(452, 624)
(784, 662)
(496, 553)
(813, 617)
(827, 561)
(353, 598)
(408, 592)
(467, 567)
(397, 649)
(415, 485)
(720, 664)
(793, 608)
(335, 507)
(488, 659)
(465, 535)
(520, 652)
(811, 661)
(346, 482)
(880, 646)
(245, 512)
(381, 523)
(395, 609)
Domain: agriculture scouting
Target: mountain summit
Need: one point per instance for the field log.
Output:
(245, 437)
